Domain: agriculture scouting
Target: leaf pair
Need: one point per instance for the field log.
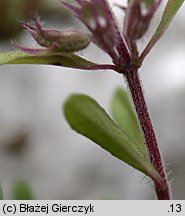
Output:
(125, 141)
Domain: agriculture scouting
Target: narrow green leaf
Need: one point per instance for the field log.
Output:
(86, 117)
(58, 59)
(170, 11)
(22, 191)
(125, 117)
(1, 193)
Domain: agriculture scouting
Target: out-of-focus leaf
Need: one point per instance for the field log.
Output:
(88, 118)
(148, 3)
(22, 191)
(125, 117)
(9, 23)
(1, 193)
(58, 59)
(170, 11)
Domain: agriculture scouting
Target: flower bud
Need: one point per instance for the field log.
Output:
(54, 40)
(138, 16)
(97, 17)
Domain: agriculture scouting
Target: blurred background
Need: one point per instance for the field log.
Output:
(38, 146)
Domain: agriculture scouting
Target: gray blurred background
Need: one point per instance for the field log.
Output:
(38, 146)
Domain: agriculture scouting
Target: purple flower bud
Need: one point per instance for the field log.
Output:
(54, 40)
(96, 15)
(138, 18)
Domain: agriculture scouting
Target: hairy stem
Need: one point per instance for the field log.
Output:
(135, 88)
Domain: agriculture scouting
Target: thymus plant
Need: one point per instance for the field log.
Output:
(131, 137)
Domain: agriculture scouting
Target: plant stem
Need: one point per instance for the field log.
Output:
(135, 88)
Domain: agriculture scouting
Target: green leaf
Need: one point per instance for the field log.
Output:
(125, 117)
(58, 59)
(22, 191)
(1, 193)
(88, 118)
(170, 11)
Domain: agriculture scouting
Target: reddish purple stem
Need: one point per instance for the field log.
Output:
(136, 91)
